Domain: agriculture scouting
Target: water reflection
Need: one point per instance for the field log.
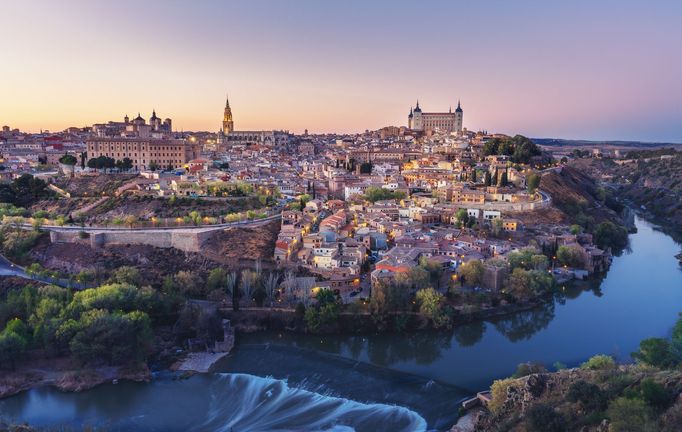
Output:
(469, 334)
(523, 325)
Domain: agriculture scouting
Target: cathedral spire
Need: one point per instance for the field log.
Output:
(228, 124)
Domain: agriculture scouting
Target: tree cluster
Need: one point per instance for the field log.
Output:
(110, 324)
(519, 148)
(24, 191)
(374, 194)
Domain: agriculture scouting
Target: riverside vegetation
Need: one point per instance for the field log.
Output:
(598, 396)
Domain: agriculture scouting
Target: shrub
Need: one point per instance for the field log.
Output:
(559, 365)
(654, 393)
(629, 415)
(589, 395)
(655, 352)
(499, 391)
(599, 362)
(543, 418)
(525, 369)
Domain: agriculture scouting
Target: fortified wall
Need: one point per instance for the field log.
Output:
(185, 240)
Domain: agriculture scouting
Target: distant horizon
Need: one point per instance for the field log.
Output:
(531, 136)
(605, 71)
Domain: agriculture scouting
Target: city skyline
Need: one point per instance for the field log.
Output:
(575, 71)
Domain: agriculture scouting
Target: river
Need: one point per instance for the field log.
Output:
(410, 382)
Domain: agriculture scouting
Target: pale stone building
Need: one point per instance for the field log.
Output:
(165, 153)
(445, 121)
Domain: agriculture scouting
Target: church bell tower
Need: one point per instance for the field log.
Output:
(228, 124)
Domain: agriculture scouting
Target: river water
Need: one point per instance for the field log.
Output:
(392, 382)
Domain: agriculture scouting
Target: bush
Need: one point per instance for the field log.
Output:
(654, 393)
(655, 352)
(126, 275)
(499, 391)
(599, 362)
(543, 418)
(609, 235)
(525, 369)
(589, 395)
(628, 415)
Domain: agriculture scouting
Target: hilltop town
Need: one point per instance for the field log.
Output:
(423, 226)
(477, 217)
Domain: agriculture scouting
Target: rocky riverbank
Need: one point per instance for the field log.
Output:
(69, 379)
(583, 399)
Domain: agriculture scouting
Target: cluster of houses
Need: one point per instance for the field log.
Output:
(441, 199)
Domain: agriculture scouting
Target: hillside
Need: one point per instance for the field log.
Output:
(651, 182)
(610, 398)
(580, 198)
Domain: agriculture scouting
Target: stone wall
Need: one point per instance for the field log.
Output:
(185, 240)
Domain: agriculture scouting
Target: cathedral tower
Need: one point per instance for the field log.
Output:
(459, 114)
(228, 124)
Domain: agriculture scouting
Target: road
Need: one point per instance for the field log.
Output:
(7, 268)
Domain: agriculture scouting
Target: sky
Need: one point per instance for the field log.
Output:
(608, 69)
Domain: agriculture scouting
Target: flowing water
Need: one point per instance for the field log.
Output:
(387, 382)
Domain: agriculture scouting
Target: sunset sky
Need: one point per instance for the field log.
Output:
(577, 69)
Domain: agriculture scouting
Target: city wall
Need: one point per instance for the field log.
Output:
(188, 241)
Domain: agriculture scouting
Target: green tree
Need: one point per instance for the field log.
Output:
(126, 275)
(462, 217)
(374, 194)
(503, 179)
(189, 283)
(216, 279)
(471, 272)
(532, 182)
(431, 305)
(629, 415)
(655, 352)
(576, 229)
(12, 349)
(609, 235)
(68, 159)
(195, 217)
(570, 256)
(324, 313)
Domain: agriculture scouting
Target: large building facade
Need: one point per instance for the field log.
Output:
(445, 121)
(137, 127)
(229, 137)
(145, 152)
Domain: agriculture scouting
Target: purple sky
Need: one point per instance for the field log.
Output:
(578, 69)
